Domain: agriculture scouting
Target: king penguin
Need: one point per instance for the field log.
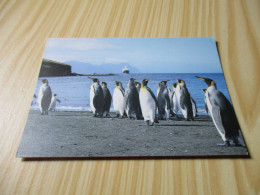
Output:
(184, 100)
(54, 101)
(205, 100)
(96, 98)
(222, 114)
(118, 99)
(44, 97)
(174, 99)
(164, 105)
(107, 99)
(131, 100)
(148, 103)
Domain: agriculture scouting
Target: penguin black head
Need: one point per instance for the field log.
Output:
(95, 80)
(55, 95)
(205, 90)
(104, 84)
(144, 82)
(164, 82)
(132, 79)
(174, 85)
(44, 81)
(208, 81)
(118, 83)
(137, 84)
(180, 81)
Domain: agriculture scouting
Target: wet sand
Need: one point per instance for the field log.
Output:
(78, 134)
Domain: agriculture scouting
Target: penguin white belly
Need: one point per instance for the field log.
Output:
(118, 101)
(92, 94)
(53, 104)
(178, 95)
(210, 110)
(40, 96)
(148, 105)
(175, 104)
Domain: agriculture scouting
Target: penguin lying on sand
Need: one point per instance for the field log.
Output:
(118, 99)
(163, 99)
(54, 100)
(96, 98)
(222, 114)
(148, 103)
(184, 100)
(107, 98)
(131, 100)
(44, 97)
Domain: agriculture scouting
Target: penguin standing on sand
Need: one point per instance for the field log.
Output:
(138, 86)
(148, 103)
(107, 98)
(184, 100)
(96, 98)
(205, 100)
(131, 100)
(175, 100)
(54, 101)
(222, 114)
(163, 99)
(118, 99)
(44, 97)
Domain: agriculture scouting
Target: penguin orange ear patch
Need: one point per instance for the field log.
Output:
(90, 116)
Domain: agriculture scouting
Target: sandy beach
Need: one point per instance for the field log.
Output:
(78, 134)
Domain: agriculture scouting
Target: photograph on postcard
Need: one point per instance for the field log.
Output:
(131, 97)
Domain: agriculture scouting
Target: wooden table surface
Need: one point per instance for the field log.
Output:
(24, 27)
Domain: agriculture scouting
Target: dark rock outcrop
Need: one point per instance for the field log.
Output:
(51, 68)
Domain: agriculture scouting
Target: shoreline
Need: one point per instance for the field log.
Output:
(78, 134)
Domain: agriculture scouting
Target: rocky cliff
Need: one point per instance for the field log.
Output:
(51, 68)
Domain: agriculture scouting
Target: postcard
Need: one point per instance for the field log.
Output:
(131, 98)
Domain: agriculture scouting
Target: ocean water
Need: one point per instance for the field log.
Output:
(73, 91)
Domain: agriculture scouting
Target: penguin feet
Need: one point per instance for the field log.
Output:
(152, 124)
(147, 123)
(156, 120)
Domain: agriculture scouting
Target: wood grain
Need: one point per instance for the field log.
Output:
(24, 28)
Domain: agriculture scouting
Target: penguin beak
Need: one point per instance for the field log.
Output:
(200, 78)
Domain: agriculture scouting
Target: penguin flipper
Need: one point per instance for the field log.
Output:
(153, 96)
(182, 99)
(206, 108)
(193, 101)
(167, 100)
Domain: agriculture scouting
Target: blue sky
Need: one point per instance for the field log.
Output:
(149, 55)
